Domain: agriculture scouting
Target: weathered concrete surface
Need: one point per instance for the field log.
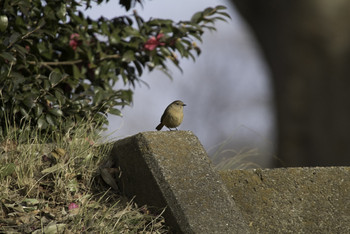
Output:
(293, 200)
(171, 169)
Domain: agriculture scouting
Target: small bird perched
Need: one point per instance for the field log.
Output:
(172, 116)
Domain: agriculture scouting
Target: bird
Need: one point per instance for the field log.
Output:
(172, 116)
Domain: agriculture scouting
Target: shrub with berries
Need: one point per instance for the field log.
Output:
(55, 70)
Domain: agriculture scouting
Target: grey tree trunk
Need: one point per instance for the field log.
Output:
(307, 46)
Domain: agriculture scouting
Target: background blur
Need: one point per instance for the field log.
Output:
(227, 89)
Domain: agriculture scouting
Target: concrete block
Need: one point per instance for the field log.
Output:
(171, 169)
(292, 200)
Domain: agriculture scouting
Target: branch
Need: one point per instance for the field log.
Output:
(72, 62)
(56, 63)
(26, 35)
(111, 56)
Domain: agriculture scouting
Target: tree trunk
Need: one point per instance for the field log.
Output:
(307, 46)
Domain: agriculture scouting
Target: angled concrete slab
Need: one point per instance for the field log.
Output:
(171, 169)
(293, 200)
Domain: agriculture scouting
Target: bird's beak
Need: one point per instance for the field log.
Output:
(184, 104)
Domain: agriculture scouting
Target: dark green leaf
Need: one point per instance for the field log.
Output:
(198, 50)
(24, 112)
(225, 14)
(18, 79)
(76, 72)
(129, 3)
(14, 37)
(220, 18)
(38, 109)
(54, 78)
(114, 38)
(197, 17)
(209, 11)
(50, 120)
(46, 85)
(180, 48)
(29, 101)
(130, 31)
(220, 7)
(104, 28)
(210, 28)
(191, 55)
(3, 22)
(114, 111)
(138, 67)
(21, 50)
(42, 22)
(42, 124)
(98, 97)
(8, 56)
(60, 97)
(50, 98)
(198, 37)
(56, 112)
(128, 56)
(61, 12)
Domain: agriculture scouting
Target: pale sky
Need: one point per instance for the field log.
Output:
(226, 89)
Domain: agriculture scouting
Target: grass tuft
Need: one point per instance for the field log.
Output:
(54, 186)
(225, 158)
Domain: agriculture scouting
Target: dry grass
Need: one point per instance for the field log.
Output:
(56, 188)
(225, 158)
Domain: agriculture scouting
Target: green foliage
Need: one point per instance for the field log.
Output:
(59, 67)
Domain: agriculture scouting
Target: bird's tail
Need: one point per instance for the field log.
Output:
(159, 127)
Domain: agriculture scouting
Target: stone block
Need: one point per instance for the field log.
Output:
(171, 169)
(292, 200)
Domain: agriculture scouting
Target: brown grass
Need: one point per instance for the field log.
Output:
(57, 188)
